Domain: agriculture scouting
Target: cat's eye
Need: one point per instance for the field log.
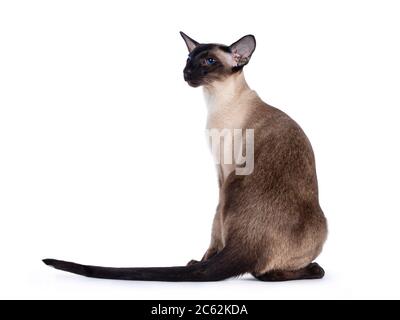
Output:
(210, 61)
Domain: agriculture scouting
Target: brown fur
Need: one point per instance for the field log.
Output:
(274, 211)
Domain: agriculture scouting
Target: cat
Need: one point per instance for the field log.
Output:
(268, 221)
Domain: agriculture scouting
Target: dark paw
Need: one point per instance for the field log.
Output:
(192, 262)
(315, 271)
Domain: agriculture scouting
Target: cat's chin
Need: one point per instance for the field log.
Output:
(194, 84)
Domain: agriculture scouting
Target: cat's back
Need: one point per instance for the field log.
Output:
(274, 127)
(283, 155)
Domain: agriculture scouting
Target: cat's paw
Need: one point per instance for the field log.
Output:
(315, 271)
(192, 262)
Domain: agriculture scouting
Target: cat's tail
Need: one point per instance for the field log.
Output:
(223, 265)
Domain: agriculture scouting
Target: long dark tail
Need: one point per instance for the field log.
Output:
(225, 264)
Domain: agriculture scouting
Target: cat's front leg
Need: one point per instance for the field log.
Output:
(209, 253)
(216, 244)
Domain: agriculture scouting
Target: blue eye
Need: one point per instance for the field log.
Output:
(210, 61)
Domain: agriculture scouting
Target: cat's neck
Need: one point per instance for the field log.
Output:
(223, 94)
(229, 102)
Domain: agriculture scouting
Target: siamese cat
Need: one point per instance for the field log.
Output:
(268, 221)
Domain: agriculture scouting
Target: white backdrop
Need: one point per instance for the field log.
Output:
(103, 158)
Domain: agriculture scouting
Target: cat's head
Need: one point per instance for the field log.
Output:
(211, 62)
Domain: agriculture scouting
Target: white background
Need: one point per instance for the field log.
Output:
(103, 158)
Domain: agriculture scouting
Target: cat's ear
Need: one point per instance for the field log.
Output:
(243, 49)
(190, 43)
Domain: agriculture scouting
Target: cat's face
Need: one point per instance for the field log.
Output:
(208, 63)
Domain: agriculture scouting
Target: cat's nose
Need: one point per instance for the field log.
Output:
(186, 74)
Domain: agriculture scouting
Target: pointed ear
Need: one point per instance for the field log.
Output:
(243, 49)
(190, 43)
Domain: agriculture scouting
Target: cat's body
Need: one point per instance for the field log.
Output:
(274, 210)
(268, 221)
